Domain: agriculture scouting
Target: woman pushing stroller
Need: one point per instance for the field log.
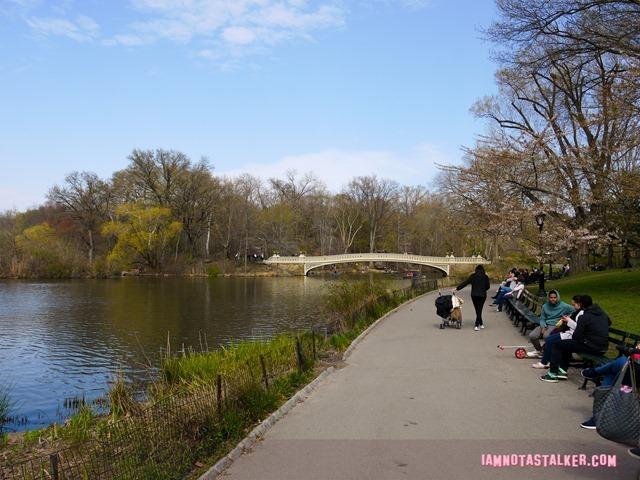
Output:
(479, 285)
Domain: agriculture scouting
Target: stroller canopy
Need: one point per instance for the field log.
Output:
(444, 305)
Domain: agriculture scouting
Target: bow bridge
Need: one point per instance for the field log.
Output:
(440, 263)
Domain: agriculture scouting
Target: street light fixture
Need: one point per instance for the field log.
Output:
(540, 221)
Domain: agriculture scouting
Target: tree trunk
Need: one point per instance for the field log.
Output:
(627, 257)
(610, 255)
(206, 247)
(580, 258)
(90, 248)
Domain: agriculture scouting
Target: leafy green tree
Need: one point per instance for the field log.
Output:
(45, 254)
(143, 235)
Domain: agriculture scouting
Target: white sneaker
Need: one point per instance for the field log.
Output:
(534, 354)
(482, 326)
(540, 365)
(476, 328)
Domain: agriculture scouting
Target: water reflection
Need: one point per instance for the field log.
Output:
(67, 339)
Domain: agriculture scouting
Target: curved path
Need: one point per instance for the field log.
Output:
(416, 402)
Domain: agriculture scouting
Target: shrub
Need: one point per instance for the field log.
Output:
(5, 405)
(213, 271)
(79, 427)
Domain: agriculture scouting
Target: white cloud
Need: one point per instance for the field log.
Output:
(220, 30)
(337, 167)
(238, 35)
(223, 28)
(81, 29)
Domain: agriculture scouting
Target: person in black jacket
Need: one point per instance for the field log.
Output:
(479, 286)
(590, 336)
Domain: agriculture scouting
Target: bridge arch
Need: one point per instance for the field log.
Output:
(309, 267)
(439, 263)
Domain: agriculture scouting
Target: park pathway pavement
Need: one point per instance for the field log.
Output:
(416, 402)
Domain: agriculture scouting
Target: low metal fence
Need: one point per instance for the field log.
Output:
(166, 438)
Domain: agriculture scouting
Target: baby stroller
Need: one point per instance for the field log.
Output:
(448, 308)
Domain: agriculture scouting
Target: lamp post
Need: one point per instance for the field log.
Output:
(540, 221)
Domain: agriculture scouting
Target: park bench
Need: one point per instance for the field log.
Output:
(617, 338)
(524, 312)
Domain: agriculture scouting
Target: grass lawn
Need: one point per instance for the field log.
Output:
(616, 291)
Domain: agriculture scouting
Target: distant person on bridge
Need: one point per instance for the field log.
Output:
(479, 286)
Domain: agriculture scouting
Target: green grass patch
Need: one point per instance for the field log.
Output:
(5, 405)
(205, 402)
(616, 291)
(80, 426)
(204, 367)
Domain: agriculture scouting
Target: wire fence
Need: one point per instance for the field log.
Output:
(166, 438)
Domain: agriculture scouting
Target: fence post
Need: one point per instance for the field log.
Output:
(313, 343)
(299, 357)
(219, 395)
(55, 462)
(264, 372)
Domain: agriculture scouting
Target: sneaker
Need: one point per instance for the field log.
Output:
(589, 424)
(549, 377)
(562, 375)
(534, 354)
(634, 452)
(476, 328)
(589, 373)
(482, 327)
(540, 365)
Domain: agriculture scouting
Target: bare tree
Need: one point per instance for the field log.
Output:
(88, 200)
(562, 131)
(375, 197)
(569, 27)
(348, 220)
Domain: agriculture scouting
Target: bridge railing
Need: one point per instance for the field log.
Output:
(382, 257)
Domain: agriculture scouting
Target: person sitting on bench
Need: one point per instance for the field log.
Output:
(608, 373)
(508, 283)
(552, 311)
(591, 336)
(564, 331)
(514, 292)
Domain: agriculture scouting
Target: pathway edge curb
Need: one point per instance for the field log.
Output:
(259, 431)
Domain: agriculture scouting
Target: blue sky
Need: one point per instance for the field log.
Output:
(338, 87)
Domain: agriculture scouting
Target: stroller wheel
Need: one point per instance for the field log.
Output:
(520, 353)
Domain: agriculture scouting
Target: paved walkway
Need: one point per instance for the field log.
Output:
(416, 402)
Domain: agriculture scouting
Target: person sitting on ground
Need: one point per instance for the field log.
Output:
(515, 292)
(607, 374)
(564, 331)
(591, 336)
(552, 311)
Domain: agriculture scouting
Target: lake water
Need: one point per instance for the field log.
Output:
(63, 340)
